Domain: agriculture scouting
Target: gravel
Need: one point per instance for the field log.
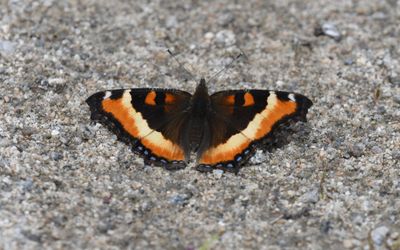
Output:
(67, 183)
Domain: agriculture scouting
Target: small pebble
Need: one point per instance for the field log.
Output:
(225, 37)
(56, 81)
(136, 185)
(357, 150)
(348, 243)
(348, 61)
(381, 110)
(394, 235)
(331, 153)
(180, 199)
(218, 173)
(379, 234)
(77, 57)
(27, 185)
(55, 132)
(209, 36)
(376, 150)
(56, 156)
(226, 19)
(396, 99)
(7, 47)
(171, 22)
(396, 154)
(311, 196)
(328, 29)
(4, 142)
(394, 80)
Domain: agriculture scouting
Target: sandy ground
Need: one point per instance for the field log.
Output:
(67, 183)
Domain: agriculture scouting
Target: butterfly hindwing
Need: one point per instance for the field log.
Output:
(148, 119)
(242, 118)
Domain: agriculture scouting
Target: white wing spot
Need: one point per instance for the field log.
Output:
(107, 95)
(291, 97)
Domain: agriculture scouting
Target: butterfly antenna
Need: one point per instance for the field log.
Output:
(181, 65)
(227, 66)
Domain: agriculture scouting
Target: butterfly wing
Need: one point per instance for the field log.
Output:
(241, 118)
(148, 119)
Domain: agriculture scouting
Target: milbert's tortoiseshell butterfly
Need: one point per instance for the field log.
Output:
(165, 126)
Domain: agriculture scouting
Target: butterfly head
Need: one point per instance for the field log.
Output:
(202, 84)
(201, 90)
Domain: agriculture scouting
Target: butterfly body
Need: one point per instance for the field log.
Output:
(196, 134)
(166, 126)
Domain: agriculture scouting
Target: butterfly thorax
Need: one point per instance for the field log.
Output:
(200, 102)
(196, 135)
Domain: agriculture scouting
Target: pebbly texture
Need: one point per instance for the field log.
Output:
(66, 183)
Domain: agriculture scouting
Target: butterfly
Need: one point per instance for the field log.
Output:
(168, 127)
